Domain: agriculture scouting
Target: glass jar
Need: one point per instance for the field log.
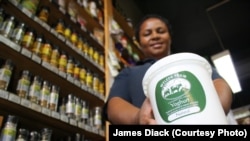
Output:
(46, 51)
(60, 27)
(35, 89)
(46, 134)
(44, 13)
(8, 26)
(37, 46)
(28, 39)
(63, 59)
(23, 84)
(9, 130)
(97, 117)
(18, 33)
(54, 96)
(30, 5)
(23, 135)
(70, 106)
(45, 94)
(54, 59)
(5, 74)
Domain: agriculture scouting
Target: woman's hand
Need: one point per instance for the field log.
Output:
(146, 113)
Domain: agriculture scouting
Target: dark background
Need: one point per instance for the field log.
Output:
(205, 27)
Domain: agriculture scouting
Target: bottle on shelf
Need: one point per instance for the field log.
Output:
(5, 74)
(23, 84)
(9, 130)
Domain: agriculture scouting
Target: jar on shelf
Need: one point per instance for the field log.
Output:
(30, 5)
(70, 106)
(77, 109)
(35, 89)
(5, 74)
(28, 38)
(53, 99)
(45, 94)
(62, 63)
(97, 117)
(70, 66)
(18, 33)
(85, 111)
(23, 84)
(8, 26)
(46, 134)
(9, 129)
(44, 13)
(46, 51)
(23, 134)
(54, 59)
(60, 27)
(37, 45)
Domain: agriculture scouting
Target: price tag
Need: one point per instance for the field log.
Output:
(14, 98)
(64, 118)
(46, 65)
(46, 111)
(87, 128)
(70, 78)
(36, 107)
(53, 32)
(4, 94)
(80, 124)
(72, 122)
(26, 12)
(62, 10)
(25, 103)
(54, 69)
(55, 114)
(102, 133)
(73, 19)
(26, 52)
(38, 20)
(46, 26)
(61, 37)
(62, 74)
(84, 87)
(36, 58)
(95, 130)
(77, 83)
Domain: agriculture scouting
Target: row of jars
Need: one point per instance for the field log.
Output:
(11, 132)
(79, 110)
(26, 37)
(42, 92)
(57, 58)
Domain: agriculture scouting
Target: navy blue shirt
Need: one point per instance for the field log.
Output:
(128, 84)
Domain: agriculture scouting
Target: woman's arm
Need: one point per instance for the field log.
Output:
(225, 93)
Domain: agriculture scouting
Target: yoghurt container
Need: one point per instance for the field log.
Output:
(181, 91)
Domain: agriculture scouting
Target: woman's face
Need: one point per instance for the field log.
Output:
(155, 39)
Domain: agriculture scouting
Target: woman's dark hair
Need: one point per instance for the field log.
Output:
(138, 26)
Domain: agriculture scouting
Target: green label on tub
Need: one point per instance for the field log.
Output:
(178, 95)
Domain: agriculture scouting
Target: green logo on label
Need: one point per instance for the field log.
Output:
(179, 95)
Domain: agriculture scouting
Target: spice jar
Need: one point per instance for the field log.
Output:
(70, 66)
(5, 74)
(45, 94)
(37, 46)
(46, 134)
(89, 78)
(97, 117)
(54, 59)
(10, 128)
(23, 134)
(30, 5)
(95, 82)
(46, 51)
(23, 84)
(77, 109)
(18, 33)
(28, 38)
(70, 106)
(82, 75)
(60, 27)
(76, 71)
(54, 96)
(67, 32)
(35, 89)
(63, 59)
(85, 111)
(74, 37)
(8, 26)
(44, 13)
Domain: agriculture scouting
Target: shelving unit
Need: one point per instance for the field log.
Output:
(33, 116)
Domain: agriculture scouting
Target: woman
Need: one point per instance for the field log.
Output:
(127, 103)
